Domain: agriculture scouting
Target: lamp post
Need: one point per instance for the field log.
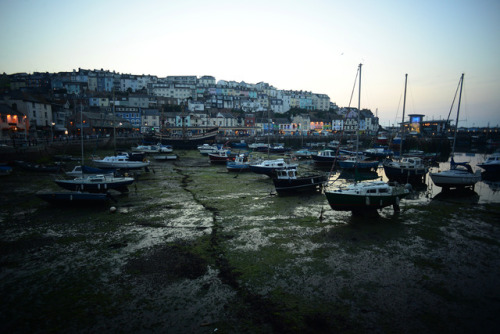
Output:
(52, 132)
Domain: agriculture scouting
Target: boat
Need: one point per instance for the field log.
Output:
(165, 157)
(221, 156)
(491, 164)
(97, 183)
(240, 164)
(260, 147)
(185, 142)
(5, 170)
(303, 154)
(269, 167)
(41, 168)
(370, 195)
(278, 148)
(158, 148)
(379, 152)
(240, 144)
(459, 175)
(382, 139)
(326, 157)
(414, 153)
(408, 169)
(287, 181)
(359, 163)
(74, 197)
(80, 170)
(120, 161)
(365, 196)
(206, 149)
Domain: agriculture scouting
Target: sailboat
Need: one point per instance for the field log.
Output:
(410, 169)
(365, 195)
(460, 175)
(94, 183)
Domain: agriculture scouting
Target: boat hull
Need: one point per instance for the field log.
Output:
(405, 174)
(360, 165)
(350, 202)
(65, 198)
(301, 184)
(121, 165)
(450, 179)
(96, 187)
(490, 168)
(235, 167)
(186, 143)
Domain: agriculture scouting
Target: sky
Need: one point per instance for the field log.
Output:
(313, 45)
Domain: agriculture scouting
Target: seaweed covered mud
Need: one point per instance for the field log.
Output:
(195, 249)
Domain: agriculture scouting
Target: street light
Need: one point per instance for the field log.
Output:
(52, 132)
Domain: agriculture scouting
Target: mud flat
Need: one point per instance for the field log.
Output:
(194, 249)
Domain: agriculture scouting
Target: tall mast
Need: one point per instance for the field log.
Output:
(458, 114)
(359, 112)
(403, 122)
(114, 120)
(81, 131)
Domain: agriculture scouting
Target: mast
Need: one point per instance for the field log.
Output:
(81, 131)
(359, 112)
(114, 119)
(403, 121)
(458, 114)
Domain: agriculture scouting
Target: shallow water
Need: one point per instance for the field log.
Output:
(194, 249)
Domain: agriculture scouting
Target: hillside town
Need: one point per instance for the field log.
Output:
(47, 105)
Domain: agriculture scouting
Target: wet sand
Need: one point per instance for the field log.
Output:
(194, 249)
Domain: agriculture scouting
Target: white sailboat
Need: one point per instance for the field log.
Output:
(460, 175)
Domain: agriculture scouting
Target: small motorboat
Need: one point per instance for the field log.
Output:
(288, 182)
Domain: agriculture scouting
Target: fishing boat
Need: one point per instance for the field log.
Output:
(240, 164)
(409, 169)
(120, 161)
(74, 197)
(221, 156)
(491, 164)
(362, 196)
(287, 181)
(97, 183)
(365, 196)
(269, 167)
(459, 175)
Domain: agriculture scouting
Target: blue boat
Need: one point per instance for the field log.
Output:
(353, 163)
(240, 164)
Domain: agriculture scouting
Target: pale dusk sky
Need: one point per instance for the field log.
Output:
(299, 45)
